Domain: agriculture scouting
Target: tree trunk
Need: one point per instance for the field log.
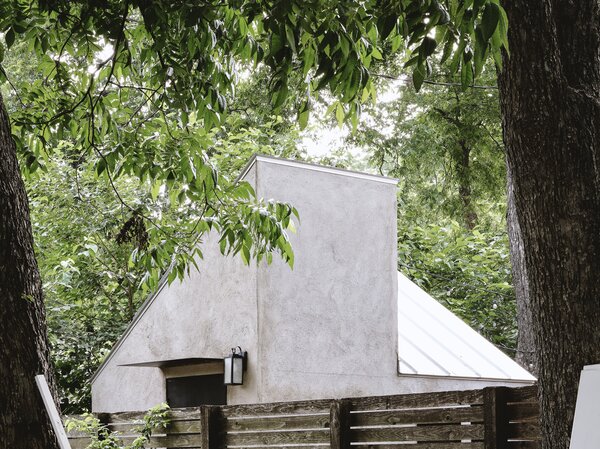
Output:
(463, 171)
(549, 92)
(23, 343)
(525, 345)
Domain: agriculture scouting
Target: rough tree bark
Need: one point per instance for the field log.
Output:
(23, 343)
(549, 90)
(525, 345)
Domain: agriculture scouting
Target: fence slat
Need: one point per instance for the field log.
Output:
(419, 400)
(277, 437)
(522, 394)
(523, 431)
(174, 441)
(523, 445)
(523, 411)
(276, 408)
(79, 443)
(419, 433)
(340, 425)
(494, 415)
(434, 445)
(418, 416)
(279, 423)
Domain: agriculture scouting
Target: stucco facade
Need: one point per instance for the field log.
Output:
(327, 328)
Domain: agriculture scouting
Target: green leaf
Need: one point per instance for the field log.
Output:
(339, 114)
(376, 53)
(9, 38)
(427, 47)
(489, 20)
(448, 47)
(466, 74)
(386, 26)
(303, 114)
(289, 33)
(454, 63)
(419, 74)
(481, 49)
(503, 28)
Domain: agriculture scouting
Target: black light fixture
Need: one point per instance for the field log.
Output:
(234, 366)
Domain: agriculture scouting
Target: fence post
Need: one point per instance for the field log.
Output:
(339, 424)
(211, 426)
(495, 417)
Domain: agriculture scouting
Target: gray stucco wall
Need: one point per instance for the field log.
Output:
(189, 319)
(327, 328)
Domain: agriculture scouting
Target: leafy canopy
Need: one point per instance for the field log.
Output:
(140, 91)
(145, 108)
(181, 56)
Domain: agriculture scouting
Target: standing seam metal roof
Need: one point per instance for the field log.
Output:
(433, 341)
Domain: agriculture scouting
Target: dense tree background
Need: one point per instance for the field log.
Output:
(138, 92)
(442, 144)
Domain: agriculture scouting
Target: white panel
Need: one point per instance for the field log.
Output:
(586, 432)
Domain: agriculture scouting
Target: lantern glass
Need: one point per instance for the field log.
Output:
(234, 369)
(228, 370)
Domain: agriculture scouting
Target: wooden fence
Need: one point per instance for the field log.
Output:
(492, 418)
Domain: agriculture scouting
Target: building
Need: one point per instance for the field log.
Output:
(342, 323)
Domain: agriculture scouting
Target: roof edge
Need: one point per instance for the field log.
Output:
(141, 311)
(475, 379)
(314, 167)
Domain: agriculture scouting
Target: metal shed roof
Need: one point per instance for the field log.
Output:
(433, 341)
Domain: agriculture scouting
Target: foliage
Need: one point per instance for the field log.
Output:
(157, 418)
(467, 271)
(442, 143)
(86, 248)
(444, 146)
(184, 57)
(91, 289)
(142, 94)
(146, 108)
(116, 116)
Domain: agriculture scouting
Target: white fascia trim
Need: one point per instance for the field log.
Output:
(315, 167)
(490, 379)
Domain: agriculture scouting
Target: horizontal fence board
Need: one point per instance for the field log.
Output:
(77, 433)
(419, 433)
(171, 441)
(522, 394)
(287, 446)
(174, 441)
(523, 431)
(174, 427)
(178, 414)
(277, 438)
(434, 445)
(523, 445)
(175, 414)
(122, 417)
(278, 423)
(428, 416)
(523, 411)
(419, 400)
(79, 443)
(276, 408)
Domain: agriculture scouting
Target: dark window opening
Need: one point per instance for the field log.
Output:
(193, 391)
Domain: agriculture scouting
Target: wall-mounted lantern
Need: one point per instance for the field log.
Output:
(234, 366)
